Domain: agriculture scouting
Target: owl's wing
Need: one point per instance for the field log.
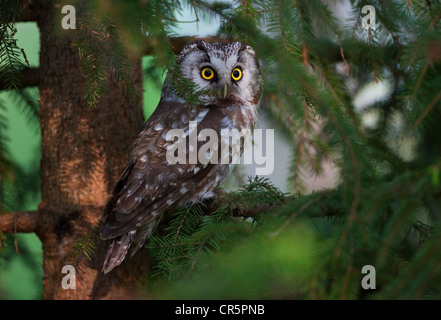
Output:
(149, 184)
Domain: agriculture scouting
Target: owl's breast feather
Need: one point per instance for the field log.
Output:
(239, 117)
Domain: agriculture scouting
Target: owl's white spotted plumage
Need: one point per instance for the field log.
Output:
(229, 77)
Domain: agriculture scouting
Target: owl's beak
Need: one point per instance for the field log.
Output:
(225, 90)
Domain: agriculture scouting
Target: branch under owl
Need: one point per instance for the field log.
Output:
(238, 209)
(242, 209)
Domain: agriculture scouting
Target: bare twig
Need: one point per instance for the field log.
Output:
(15, 234)
(295, 215)
(344, 60)
(427, 110)
(418, 83)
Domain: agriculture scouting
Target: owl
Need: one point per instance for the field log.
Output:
(227, 80)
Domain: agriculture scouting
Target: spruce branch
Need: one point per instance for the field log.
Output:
(85, 246)
(304, 47)
(9, 57)
(102, 59)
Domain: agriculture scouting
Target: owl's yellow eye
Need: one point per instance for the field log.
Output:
(236, 74)
(207, 73)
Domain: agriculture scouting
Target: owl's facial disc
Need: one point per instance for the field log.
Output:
(225, 73)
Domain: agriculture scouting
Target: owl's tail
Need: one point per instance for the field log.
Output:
(117, 251)
(132, 240)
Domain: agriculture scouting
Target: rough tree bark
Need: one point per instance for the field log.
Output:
(84, 150)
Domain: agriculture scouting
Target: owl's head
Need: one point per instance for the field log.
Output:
(226, 73)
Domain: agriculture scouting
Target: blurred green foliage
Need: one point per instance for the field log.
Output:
(260, 268)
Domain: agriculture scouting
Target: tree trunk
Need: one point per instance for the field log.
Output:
(83, 151)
